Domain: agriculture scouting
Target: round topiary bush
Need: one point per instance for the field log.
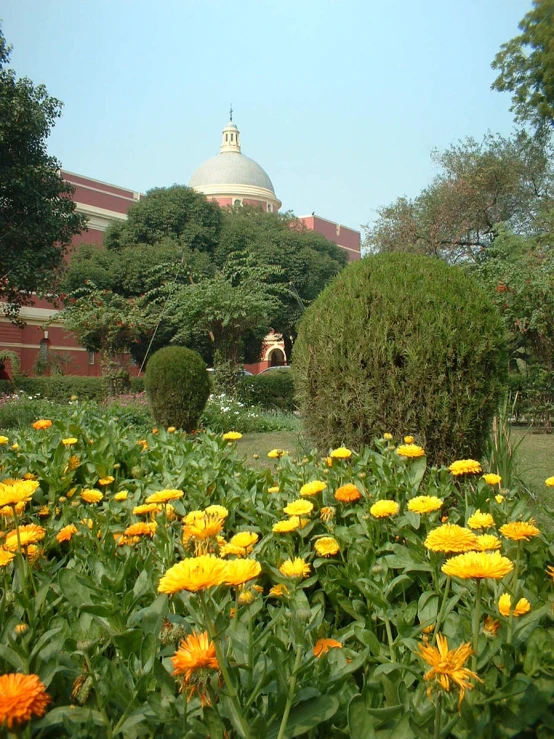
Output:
(178, 386)
(405, 344)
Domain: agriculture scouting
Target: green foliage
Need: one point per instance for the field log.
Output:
(227, 413)
(401, 341)
(37, 216)
(61, 388)
(269, 390)
(526, 66)
(178, 387)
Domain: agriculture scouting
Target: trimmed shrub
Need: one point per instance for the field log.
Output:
(405, 344)
(137, 384)
(59, 388)
(269, 390)
(178, 386)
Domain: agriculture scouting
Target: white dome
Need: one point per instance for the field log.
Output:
(231, 168)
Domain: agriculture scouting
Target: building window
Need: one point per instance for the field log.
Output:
(237, 202)
(43, 351)
(226, 137)
(269, 208)
(91, 356)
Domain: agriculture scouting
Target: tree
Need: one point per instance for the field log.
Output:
(501, 180)
(37, 215)
(526, 66)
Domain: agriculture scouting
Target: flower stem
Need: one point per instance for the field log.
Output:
(292, 687)
(476, 623)
(438, 717)
(442, 608)
(390, 639)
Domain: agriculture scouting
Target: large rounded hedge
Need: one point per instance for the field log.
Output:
(405, 344)
(178, 386)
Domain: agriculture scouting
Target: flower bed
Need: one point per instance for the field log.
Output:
(159, 586)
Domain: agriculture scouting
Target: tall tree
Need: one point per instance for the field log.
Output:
(37, 215)
(526, 66)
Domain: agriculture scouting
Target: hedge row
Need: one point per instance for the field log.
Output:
(269, 390)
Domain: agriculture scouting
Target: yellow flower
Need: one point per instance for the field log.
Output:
(141, 529)
(274, 489)
(72, 463)
(42, 423)
(163, 496)
(499, 498)
(410, 451)
(478, 565)
(66, 533)
(106, 480)
(491, 625)
(408, 440)
(217, 510)
(13, 492)
(43, 511)
(299, 508)
(239, 571)
(15, 446)
(341, 453)
(312, 488)
(486, 542)
(327, 513)
(505, 606)
(246, 597)
(244, 540)
(92, 496)
(122, 495)
(451, 538)
(21, 628)
(194, 660)
(276, 453)
(141, 510)
(29, 534)
(3, 440)
(465, 467)
(387, 436)
(424, 504)
(384, 509)
(69, 441)
(519, 530)
(448, 666)
(194, 574)
(550, 482)
(7, 510)
(295, 568)
(232, 436)
(492, 479)
(278, 591)
(480, 520)
(284, 527)
(322, 646)
(348, 493)
(550, 571)
(6, 557)
(21, 698)
(206, 527)
(326, 546)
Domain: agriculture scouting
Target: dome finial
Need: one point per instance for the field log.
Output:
(230, 141)
(231, 112)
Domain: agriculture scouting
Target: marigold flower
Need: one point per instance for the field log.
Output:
(286, 526)
(6, 557)
(387, 436)
(121, 540)
(478, 565)
(273, 489)
(29, 534)
(145, 508)
(424, 504)
(246, 597)
(21, 698)
(384, 509)
(122, 495)
(485, 542)
(295, 568)
(276, 453)
(206, 527)
(3, 440)
(278, 591)
(69, 441)
(42, 423)
(465, 467)
(451, 538)
(217, 510)
(194, 574)
(480, 520)
(21, 628)
(505, 606)
(244, 540)
(491, 479)
(312, 488)
(106, 480)
(520, 530)
(194, 660)
(299, 508)
(326, 546)
(239, 571)
(550, 482)
(92, 496)
(491, 625)
(141, 529)
(7, 510)
(499, 498)
(327, 513)
(408, 440)
(448, 666)
(348, 493)
(232, 436)
(550, 571)
(341, 453)
(322, 646)
(163, 496)
(410, 451)
(43, 511)
(66, 533)
(13, 492)
(15, 446)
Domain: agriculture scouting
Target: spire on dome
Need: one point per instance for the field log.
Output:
(230, 140)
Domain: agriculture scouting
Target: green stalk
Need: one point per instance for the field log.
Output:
(292, 687)
(476, 623)
(440, 617)
(22, 566)
(389, 637)
(99, 701)
(233, 695)
(514, 590)
(438, 717)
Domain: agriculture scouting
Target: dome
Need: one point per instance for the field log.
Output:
(231, 168)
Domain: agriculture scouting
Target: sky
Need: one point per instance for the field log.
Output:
(340, 101)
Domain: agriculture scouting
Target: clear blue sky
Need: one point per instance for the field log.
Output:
(340, 101)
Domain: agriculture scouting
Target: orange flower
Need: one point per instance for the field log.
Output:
(194, 660)
(141, 529)
(66, 533)
(448, 666)
(348, 493)
(194, 574)
(42, 423)
(21, 698)
(322, 646)
(29, 534)
(518, 530)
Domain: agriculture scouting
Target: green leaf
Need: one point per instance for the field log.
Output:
(360, 723)
(13, 658)
(71, 714)
(308, 715)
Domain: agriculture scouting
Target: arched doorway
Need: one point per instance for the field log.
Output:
(276, 358)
